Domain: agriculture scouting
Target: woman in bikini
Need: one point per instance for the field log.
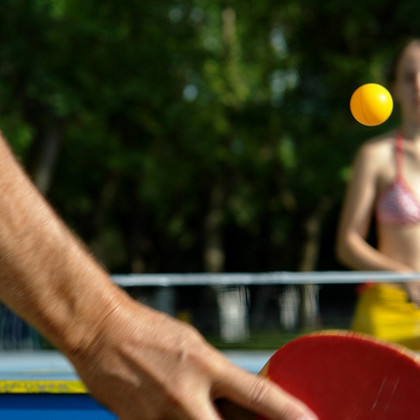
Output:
(386, 184)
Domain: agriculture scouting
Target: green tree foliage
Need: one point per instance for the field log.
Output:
(194, 135)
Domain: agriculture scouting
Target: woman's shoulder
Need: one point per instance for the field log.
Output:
(376, 155)
(382, 145)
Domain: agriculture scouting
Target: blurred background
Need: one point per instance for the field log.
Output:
(178, 136)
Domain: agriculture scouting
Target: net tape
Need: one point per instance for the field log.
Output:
(267, 278)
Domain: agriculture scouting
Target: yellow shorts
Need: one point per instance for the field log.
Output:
(383, 311)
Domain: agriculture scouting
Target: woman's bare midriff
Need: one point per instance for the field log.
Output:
(402, 243)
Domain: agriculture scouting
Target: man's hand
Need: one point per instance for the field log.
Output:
(146, 365)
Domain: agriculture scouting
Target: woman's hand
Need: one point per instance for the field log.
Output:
(412, 289)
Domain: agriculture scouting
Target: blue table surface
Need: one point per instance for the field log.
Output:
(51, 365)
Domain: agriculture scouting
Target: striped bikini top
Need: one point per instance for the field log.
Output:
(398, 205)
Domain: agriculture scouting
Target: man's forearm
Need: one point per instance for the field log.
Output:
(39, 256)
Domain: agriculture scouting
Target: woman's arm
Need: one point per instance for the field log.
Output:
(352, 248)
(138, 362)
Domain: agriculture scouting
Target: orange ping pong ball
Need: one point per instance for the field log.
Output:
(371, 104)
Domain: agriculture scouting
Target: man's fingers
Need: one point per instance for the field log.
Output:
(263, 397)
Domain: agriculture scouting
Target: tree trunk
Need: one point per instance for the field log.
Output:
(43, 156)
(214, 255)
(309, 305)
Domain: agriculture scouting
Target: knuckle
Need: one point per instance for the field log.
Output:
(258, 393)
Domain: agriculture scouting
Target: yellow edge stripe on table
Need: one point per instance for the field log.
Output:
(42, 387)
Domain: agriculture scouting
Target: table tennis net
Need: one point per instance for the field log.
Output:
(235, 309)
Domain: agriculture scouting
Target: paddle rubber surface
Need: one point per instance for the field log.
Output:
(342, 375)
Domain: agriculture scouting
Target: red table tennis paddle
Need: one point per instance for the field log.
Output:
(343, 375)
